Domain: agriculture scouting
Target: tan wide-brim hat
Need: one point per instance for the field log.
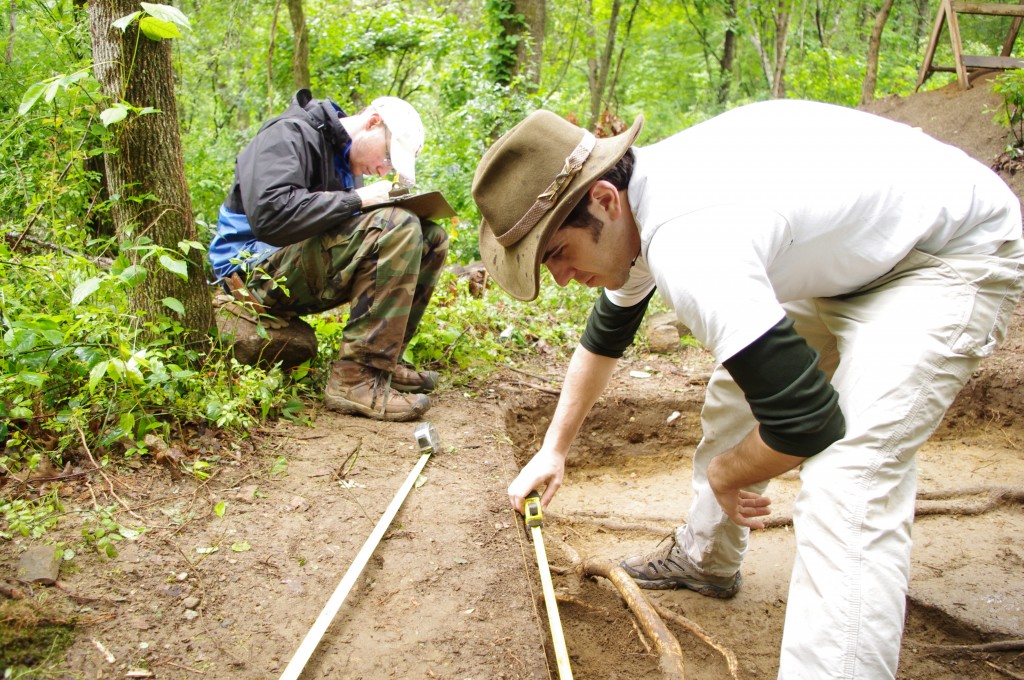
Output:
(525, 186)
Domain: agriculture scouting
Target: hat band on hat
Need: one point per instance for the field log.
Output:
(548, 198)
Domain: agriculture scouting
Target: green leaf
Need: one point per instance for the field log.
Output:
(52, 89)
(84, 290)
(32, 95)
(167, 13)
(115, 114)
(34, 379)
(219, 509)
(174, 304)
(124, 21)
(158, 29)
(96, 374)
(208, 550)
(133, 275)
(179, 267)
(279, 467)
(241, 546)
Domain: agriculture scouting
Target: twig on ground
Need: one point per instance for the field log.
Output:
(11, 592)
(110, 484)
(178, 665)
(533, 375)
(539, 388)
(669, 651)
(703, 635)
(578, 517)
(569, 599)
(1005, 671)
(998, 646)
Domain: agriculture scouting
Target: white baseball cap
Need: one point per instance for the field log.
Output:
(406, 134)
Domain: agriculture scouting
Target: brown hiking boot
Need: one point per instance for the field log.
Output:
(407, 379)
(667, 567)
(362, 390)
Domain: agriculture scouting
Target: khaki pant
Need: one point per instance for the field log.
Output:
(898, 351)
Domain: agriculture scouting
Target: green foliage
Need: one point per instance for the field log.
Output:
(33, 637)
(1010, 85)
(25, 517)
(102, 532)
(507, 29)
(473, 336)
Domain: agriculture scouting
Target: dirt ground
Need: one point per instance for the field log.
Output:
(452, 590)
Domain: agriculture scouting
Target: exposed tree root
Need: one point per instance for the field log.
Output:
(993, 498)
(998, 646)
(703, 635)
(665, 613)
(601, 520)
(928, 503)
(670, 654)
(576, 602)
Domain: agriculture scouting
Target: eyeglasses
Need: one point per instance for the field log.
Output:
(387, 146)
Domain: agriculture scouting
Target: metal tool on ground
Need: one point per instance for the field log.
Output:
(429, 442)
(534, 519)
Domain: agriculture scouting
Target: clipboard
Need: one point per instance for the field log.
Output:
(430, 205)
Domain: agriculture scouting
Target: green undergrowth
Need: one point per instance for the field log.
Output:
(33, 636)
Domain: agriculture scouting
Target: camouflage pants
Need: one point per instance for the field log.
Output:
(384, 264)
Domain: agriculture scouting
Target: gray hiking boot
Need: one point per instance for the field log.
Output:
(667, 567)
(354, 388)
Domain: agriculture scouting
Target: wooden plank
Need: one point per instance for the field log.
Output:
(929, 56)
(993, 62)
(957, 44)
(989, 8)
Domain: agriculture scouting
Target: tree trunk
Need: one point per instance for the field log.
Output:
(600, 62)
(9, 50)
(529, 53)
(867, 92)
(300, 57)
(148, 166)
(781, 38)
(728, 53)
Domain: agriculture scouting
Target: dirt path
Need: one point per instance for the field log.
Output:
(451, 591)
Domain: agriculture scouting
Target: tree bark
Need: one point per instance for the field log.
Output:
(300, 57)
(867, 92)
(781, 38)
(9, 50)
(147, 171)
(529, 52)
(601, 60)
(728, 53)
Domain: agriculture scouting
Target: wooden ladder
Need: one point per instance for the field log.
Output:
(964, 64)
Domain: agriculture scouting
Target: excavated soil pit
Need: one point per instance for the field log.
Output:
(628, 484)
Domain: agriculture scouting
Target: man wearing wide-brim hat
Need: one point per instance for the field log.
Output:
(848, 272)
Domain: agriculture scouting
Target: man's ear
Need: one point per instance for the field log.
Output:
(604, 194)
(373, 121)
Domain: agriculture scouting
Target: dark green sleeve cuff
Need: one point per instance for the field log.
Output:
(790, 397)
(610, 328)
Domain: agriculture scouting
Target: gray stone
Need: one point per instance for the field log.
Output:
(291, 344)
(191, 602)
(663, 339)
(39, 564)
(668, 319)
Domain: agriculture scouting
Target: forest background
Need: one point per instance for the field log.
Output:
(122, 121)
